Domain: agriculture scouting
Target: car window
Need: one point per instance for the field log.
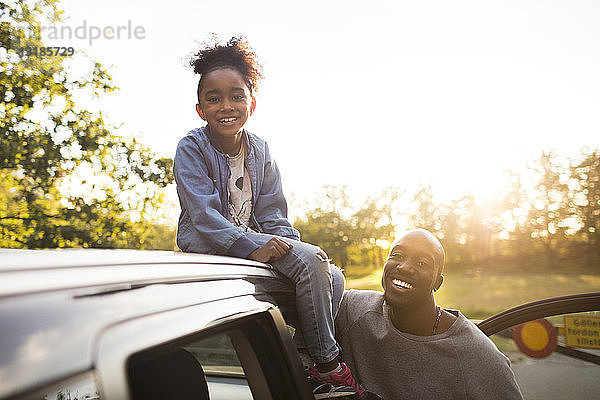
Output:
(556, 357)
(208, 368)
(217, 355)
(251, 357)
(225, 375)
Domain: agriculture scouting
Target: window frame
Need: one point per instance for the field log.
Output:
(575, 303)
(502, 323)
(267, 352)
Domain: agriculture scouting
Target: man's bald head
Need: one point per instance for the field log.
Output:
(440, 254)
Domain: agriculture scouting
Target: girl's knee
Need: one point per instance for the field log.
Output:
(311, 254)
(338, 283)
(337, 277)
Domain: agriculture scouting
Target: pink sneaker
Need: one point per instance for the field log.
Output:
(341, 378)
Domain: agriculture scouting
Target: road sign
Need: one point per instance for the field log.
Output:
(582, 331)
(537, 339)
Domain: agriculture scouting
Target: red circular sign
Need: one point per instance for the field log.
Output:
(537, 339)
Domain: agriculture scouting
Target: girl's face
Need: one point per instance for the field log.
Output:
(225, 102)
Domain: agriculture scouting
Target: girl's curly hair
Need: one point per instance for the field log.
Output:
(236, 54)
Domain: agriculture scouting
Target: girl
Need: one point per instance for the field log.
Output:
(232, 204)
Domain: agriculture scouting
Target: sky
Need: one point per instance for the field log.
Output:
(369, 93)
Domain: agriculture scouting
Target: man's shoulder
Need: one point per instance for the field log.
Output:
(470, 336)
(464, 328)
(466, 324)
(363, 300)
(483, 363)
(356, 306)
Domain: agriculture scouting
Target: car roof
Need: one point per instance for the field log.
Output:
(34, 271)
(54, 304)
(19, 259)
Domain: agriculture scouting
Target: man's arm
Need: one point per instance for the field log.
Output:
(487, 371)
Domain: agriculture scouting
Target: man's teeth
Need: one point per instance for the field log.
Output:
(227, 119)
(402, 284)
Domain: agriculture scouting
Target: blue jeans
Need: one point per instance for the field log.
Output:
(319, 289)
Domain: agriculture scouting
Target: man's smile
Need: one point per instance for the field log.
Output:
(399, 282)
(402, 284)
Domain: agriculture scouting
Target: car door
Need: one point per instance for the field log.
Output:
(233, 348)
(553, 345)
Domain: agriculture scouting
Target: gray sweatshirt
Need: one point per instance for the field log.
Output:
(461, 363)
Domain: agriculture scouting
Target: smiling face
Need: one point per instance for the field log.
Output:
(225, 103)
(413, 269)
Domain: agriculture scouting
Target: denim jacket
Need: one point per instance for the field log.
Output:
(201, 172)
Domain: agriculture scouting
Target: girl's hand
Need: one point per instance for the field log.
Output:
(273, 250)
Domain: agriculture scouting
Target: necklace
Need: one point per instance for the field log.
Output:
(437, 320)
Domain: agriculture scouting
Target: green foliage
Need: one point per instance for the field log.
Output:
(552, 223)
(480, 295)
(325, 227)
(426, 213)
(536, 226)
(66, 179)
(548, 211)
(585, 203)
(328, 230)
(350, 240)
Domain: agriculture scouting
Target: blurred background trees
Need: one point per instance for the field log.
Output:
(65, 179)
(584, 202)
(549, 223)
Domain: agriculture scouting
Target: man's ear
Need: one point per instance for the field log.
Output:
(200, 112)
(438, 283)
(252, 105)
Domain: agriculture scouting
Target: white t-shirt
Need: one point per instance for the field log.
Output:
(240, 191)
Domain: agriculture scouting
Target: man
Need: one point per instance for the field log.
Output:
(402, 345)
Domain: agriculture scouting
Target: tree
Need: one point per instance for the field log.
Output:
(352, 237)
(373, 228)
(548, 210)
(451, 232)
(514, 214)
(481, 226)
(426, 214)
(51, 143)
(325, 226)
(328, 230)
(586, 176)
